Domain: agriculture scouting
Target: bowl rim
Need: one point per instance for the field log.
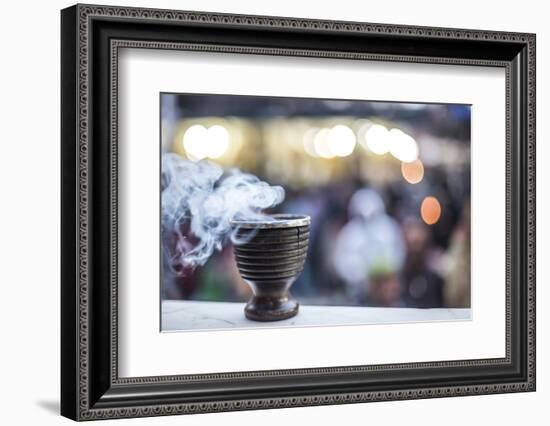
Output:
(278, 220)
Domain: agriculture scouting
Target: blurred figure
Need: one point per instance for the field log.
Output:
(456, 265)
(384, 289)
(222, 281)
(422, 286)
(179, 282)
(369, 251)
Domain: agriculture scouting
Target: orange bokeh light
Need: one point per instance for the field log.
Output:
(412, 172)
(430, 210)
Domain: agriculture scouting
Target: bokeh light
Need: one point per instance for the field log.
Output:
(403, 146)
(309, 141)
(321, 144)
(430, 210)
(193, 142)
(217, 141)
(200, 142)
(413, 172)
(341, 140)
(377, 139)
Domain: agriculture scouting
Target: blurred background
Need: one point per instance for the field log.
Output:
(387, 186)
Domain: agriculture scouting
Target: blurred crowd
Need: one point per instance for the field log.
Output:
(364, 250)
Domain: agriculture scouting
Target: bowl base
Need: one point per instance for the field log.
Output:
(270, 308)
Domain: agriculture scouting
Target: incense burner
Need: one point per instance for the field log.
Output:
(270, 256)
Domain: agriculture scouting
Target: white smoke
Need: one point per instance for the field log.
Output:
(201, 199)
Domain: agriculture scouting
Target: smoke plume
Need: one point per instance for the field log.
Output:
(198, 202)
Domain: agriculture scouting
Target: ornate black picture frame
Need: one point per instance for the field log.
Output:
(91, 36)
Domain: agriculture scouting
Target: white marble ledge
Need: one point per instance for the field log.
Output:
(184, 315)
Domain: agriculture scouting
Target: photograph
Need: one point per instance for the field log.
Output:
(279, 211)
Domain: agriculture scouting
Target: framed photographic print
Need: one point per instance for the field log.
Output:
(263, 212)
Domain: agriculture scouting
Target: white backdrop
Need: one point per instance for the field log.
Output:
(29, 214)
(146, 352)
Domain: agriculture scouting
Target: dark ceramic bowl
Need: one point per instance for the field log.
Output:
(270, 257)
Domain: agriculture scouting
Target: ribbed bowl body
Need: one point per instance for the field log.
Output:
(269, 258)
